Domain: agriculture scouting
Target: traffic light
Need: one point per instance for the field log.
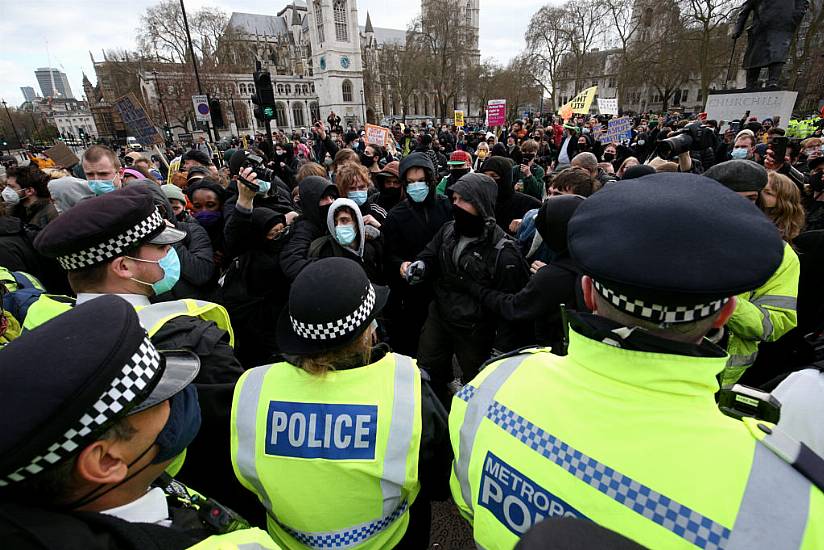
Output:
(264, 97)
(3, 143)
(217, 113)
(168, 133)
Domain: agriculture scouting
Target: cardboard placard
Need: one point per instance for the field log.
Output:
(62, 155)
(377, 135)
(137, 120)
(459, 119)
(496, 112)
(608, 106)
(619, 130)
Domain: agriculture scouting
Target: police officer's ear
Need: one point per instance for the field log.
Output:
(123, 268)
(589, 293)
(103, 462)
(725, 313)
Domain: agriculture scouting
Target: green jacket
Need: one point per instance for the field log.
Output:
(534, 184)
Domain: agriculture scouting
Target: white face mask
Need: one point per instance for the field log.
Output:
(10, 196)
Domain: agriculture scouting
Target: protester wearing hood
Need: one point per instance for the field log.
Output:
(510, 204)
(285, 165)
(409, 227)
(527, 174)
(316, 196)
(197, 267)
(347, 238)
(550, 287)
(474, 248)
(254, 288)
(27, 197)
(390, 190)
(208, 197)
(425, 147)
(353, 181)
(178, 201)
(68, 191)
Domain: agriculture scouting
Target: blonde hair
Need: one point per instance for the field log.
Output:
(355, 354)
(788, 212)
(348, 174)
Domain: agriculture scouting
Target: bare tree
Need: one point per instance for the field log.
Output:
(402, 70)
(624, 26)
(667, 60)
(162, 34)
(547, 42)
(807, 43)
(708, 20)
(584, 29)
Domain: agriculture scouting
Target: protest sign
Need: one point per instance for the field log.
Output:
(377, 135)
(62, 155)
(619, 130)
(496, 112)
(201, 103)
(580, 103)
(459, 119)
(137, 120)
(608, 106)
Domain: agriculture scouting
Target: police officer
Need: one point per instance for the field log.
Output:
(344, 444)
(624, 431)
(98, 416)
(119, 243)
(768, 312)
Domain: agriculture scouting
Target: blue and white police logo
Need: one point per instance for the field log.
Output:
(517, 501)
(321, 430)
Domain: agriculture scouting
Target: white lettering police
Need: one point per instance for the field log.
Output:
(321, 430)
(517, 501)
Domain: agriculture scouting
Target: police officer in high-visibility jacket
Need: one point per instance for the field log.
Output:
(119, 243)
(345, 443)
(94, 419)
(624, 431)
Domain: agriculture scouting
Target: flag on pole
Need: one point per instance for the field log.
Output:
(580, 103)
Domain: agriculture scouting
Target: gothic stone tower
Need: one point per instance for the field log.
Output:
(336, 58)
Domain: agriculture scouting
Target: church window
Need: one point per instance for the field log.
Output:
(341, 21)
(314, 109)
(243, 88)
(297, 114)
(346, 87)
(280, 114)
(319, 20)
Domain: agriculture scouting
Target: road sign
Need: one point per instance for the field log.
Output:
(202, 111)
(137, 120)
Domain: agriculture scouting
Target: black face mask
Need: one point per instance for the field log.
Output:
(817, 182)
(527, 158)
(466, 224)
(366, 160)
(609, 157)
(391, 196)
(324, 211)
(458, 174)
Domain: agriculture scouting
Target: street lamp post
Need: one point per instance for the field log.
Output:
(234, 113)
(14, 129)
(36, 129)
(194, 62)
(160, 98)
(363, 106)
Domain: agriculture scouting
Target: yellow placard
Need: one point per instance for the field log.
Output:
(580, 103)
(459, 119)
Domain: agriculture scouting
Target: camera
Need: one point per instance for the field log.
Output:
(692, 137)
(248, 159)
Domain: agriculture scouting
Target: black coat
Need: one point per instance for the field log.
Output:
(774, 23)
(309, 226)
(18, 254)
(409, 227)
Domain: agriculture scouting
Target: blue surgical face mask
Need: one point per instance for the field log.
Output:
(181, 427)
(170, 264)
(359, 197)
(264, 187)
(739, 153)
(101, 187)
(418, 191)
(345, 234)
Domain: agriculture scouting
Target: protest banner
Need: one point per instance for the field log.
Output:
(377, 135)
(137, 120)
(619, 130)
(459, 119)
(608, 106)
(580, 103)
(496, 112)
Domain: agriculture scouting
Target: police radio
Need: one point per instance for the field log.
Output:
(744, 402)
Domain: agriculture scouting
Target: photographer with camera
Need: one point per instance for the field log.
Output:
(692, 138)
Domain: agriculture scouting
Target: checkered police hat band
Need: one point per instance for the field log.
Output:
(658, 313)
(113, 247)
(341, 327)
(135, 377)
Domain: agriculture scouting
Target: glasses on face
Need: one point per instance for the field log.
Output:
(553, 192)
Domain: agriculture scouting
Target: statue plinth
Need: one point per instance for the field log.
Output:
(730, 105)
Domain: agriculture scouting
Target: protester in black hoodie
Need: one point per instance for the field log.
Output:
(472, 247)
(316, 195)
(408, 228)
(510, 204)
(551, 286)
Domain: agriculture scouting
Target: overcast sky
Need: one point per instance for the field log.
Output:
(72, 28)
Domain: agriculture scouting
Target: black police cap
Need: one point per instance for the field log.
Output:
(102, 228)
(673, 247)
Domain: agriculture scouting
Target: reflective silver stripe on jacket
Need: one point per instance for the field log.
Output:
(774, 510)
(766, 322)
(151, 315)
(400, 434)
(784, 302)
(742, 360)
(478, 401)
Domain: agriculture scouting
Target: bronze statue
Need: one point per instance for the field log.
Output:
(774, 23)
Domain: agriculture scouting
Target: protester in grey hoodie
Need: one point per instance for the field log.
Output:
(68, 191)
